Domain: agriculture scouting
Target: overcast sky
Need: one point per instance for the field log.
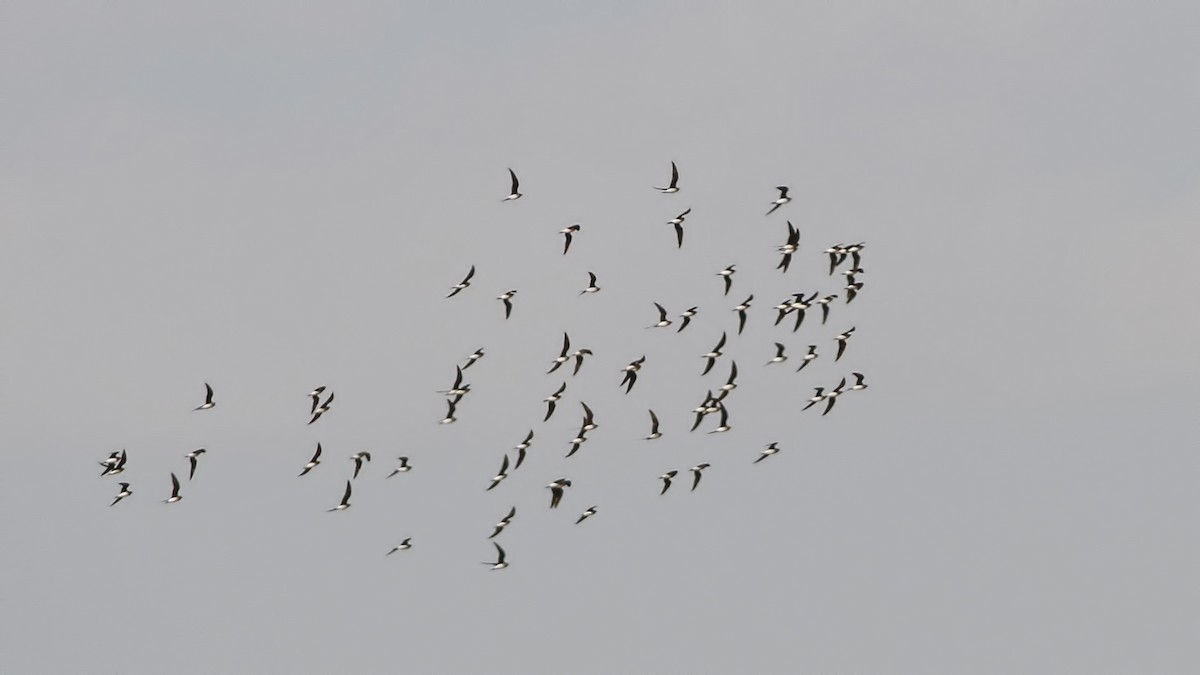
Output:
(269, 197)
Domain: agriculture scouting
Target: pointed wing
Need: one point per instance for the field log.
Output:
(515, 182)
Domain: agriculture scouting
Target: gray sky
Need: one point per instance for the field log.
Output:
(271, 197)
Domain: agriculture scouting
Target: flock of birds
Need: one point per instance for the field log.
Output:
(713, 403)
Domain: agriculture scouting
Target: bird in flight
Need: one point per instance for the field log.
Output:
(506, 297)
(552, 399)
(591, 511)
(345, 503)
(122, 493)
(563, 356)
(724, 426)
(500, 562)
(475, 356)
(175, 496)
(727, 275)
(771, 450)
(315, 395)
(579, 354)
(713, 355)
(504, 522)
(779, 357)
(458, 389)
(194, 457)
(852, 291)
(654, 432)
(677, 223)
(741, 310)
(631, 372)
(501, 475)
(404, 467)
(449, 418)
(859, 383)
(731, 383)
(831, 396)
(824, 303)
(591, 287)
(807, 358)
(462, 285)
(783, 199)
(358, 458)
(696, 474)
(842, 339)
(521, 448)
(666, 479)
(799, 304)
(556, 491)
(567, 233)
(817, 397)
(114, 464)
(322, 409)
(687, 318)
(674, 186)
(663, 321)
(208, 398)
(790, 247)
(402, 546)
(312, 463)
(514, 194)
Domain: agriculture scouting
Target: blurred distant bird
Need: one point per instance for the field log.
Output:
(654, 432)
(696, 474)
(514, 194)
(663, 321)
(771, 450)
(790, 247)
(552, 399)
(591, 511)
(783, 199)
(402, 546)
(175, 496)
(404, 467)
(674, 186)
(713, 355)
(504, 522)
(807, 358)
(312, 463)
(666, 479)
(475, 356)
(687, 318)
(677, 222)
(500, 563)
(506, 297)
(841, 340)
(122, 493)
(462, 285)
(345, 503)
(521, 448)
(563, 356)
(503, 473)
(208, 398)
(193, 457)
(358, 458)
(591, 287)
(631, 372)
(450, 418)
(741, 310)
(556, 491)
(579, 354)
(315, 395)
(567, 232)
(322, 409)
(727, 275)
(779, 357)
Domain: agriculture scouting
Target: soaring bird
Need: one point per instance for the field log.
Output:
(724, 426)
(727, 275)
(404, 467)
(654, 432)
(713, 355)
(402, 546)
(450, 418)
(122, 493)
(504, 522)
(175, 496)
(731, 383)
(462, 285)
(741, 310)
(677, 222)
(783, 199)
(312, 463)
(687, 318)
(358, 458)
(591, 287)
(674, 186)
(790, 247)
(563, 356)
(322, 409)
(696, 474)
(315, 395)
(631, 372)
(193, 457)
(842, 339)
(514, 194)
(771, 450)
(666, 479)
(831, 396)
(475, 356)
(345, 503)
(208, 398)
(579, 354)
(807, 358)
(591, 511)
(567, 232)
(859, 383)
(552, 399)
(824, 303)
(500, 562)
(501, 475)
(817, 397)
(779, 357)
(663, 321)
(521, 448)
(506, 297)
(458, 389)
(556, 491)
